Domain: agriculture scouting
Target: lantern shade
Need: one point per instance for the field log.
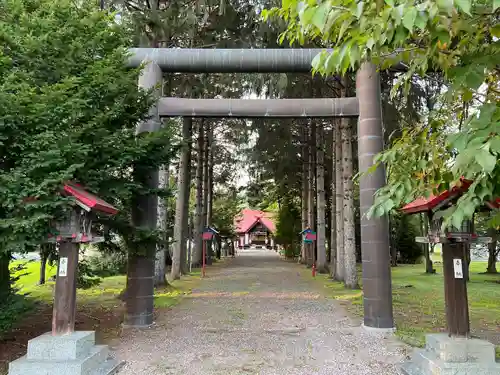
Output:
(207, 235)
(77, 225)
(311, 236)
(88, 201)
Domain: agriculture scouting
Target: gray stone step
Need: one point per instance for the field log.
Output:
(71, 346)
(460, 349)
(425, 362)
(88, 365)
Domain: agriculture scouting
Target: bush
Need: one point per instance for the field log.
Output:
(13, 305)
(291, 251)
(86, 277)
(108, 264)
(409, 250)
(11, 308)
(288, 227)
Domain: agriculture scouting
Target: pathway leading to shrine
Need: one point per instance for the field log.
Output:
(258, 315)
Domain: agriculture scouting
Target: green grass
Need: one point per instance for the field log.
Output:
(419, 301)
(103, 294)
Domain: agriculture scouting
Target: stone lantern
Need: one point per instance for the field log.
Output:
(455, 351)
(64, 351)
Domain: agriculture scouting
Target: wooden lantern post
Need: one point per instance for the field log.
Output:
(309, 238)
(454, 242)
(207, 235)
(69, 233)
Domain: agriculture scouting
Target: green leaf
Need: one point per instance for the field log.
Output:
(400, 35)
(457, 218)
(390, 2)
(495, 144)
(486, 160)
(409, 18)
(343, 28)
(320, 15)
(317, 61)
(474, 79)
(464, 5)
(388, 205)
(354, 56)
(495, 30)
(445, 5)
(359, 9)
(370, 43)
(458, 141)
(496, 5)
(421, 20)
(397, 14)
(467, 95)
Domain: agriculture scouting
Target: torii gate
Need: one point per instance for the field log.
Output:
(366, 106)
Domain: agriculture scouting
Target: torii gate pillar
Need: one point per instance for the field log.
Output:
(140, 272)
(375, 231)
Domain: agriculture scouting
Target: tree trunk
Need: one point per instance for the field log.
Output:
(339, 204)
(305, 192)
(311, 206)
(185, 266)
(206, 154)
(183, 183)
(210, 202)
(5, 287)
(351, 274)
(45, 251)
(161, 224)
(333, 207)
(320, 199)
(210, 193)
(467, 254)
(424, 225)
(189, 241)
(43, 267)
(492, 251)
(198, 219)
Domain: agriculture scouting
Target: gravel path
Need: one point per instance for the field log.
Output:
(257, 315)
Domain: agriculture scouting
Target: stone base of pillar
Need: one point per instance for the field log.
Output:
(445, 355)
(72, 354)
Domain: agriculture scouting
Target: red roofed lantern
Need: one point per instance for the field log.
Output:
(70, 232)
(455, 242)
(77, 225)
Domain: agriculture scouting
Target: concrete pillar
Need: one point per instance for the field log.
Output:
(140, 272)
(375, 231)
(247, 239)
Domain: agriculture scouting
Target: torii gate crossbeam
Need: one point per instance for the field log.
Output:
(258, 108)
(230, 60)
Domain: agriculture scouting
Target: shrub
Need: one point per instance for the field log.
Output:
(409, 250)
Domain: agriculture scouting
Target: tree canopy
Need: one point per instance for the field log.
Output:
(68, 111)
(458, 39)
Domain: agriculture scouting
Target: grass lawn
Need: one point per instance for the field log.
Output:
(98, 308)
(419, 302)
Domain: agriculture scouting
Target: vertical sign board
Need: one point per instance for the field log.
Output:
(457, 267)
(63, 267)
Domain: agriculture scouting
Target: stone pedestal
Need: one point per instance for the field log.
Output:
(444, 355)
(71, 354)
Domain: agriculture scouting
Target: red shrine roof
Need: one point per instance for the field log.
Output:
(88, 199)
(428, 204)
(248, 218)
